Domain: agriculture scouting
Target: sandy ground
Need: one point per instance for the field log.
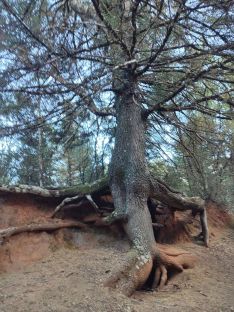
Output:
(70, 279)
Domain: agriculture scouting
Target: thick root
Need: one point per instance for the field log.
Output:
(132, 275)
(135, 272)
(37, 227)
(168, 262)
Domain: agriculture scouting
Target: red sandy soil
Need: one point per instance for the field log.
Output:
(65, 271)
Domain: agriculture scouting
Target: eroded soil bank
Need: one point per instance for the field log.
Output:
(64, 271)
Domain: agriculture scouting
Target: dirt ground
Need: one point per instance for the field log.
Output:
(70, 279)
(41, 273)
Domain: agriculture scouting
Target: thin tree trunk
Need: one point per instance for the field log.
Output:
(40, 156)
(69, 168)
(40, 147)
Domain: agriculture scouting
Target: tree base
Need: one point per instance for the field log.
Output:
(153, 271)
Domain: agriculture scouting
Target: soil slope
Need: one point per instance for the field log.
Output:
(41, 272)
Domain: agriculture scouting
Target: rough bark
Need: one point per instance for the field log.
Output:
(129, 177)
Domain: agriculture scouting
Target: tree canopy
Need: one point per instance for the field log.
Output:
(58, 63)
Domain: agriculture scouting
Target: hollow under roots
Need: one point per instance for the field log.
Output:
(137, 269)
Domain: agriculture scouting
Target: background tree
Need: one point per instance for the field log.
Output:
(206, 155)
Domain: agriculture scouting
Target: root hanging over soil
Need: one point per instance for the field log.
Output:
(95, 193)
(137, 269)
(38, 227)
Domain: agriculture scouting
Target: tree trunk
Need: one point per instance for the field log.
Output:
(129, 177)
(130, 185)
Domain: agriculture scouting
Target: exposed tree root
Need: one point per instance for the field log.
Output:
(90, 192)
(171, 261)
(160, 278)
(177, 201)
(135, 272)
(132, 275)
(35, 227)
(81, 189)
(66, 201)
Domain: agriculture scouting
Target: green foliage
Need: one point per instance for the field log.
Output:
(58, 73)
